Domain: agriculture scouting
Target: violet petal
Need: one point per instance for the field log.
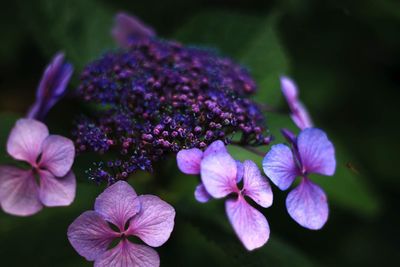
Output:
(189, 160)
(280, 167)
(52, 86)
(215, 147)
(90, 235)
(57, 191)
(155, 221)
(58, 155)
(249, 224)
(127, 254)
(117, 204)
(307, 205)
(25, 140)
(255, 185)
(240, 171)
(127, 27)
(201, 194)
(19, 193)
(316, 152)
(218, 174)
(299, 114)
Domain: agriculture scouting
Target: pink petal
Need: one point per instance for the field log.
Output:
(25, 140)
(127, 254)
(249, 224)
(215, 147)
(57, 191)
(58, 155)
(255, 185)
(155, 221)
(19, 193)
(307, 205)
(218, 174)
(90, 235)
(189, 160)
(201, 194)
(316, 152)
(118, 203)
(280, 167)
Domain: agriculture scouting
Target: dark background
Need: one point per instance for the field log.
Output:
(344, 56)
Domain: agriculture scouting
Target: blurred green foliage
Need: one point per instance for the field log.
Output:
(345, 58)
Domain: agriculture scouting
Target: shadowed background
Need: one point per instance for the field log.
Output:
(344, 56)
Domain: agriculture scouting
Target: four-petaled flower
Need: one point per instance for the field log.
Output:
(52, 87)
(311, 152)
(189, 162)
(219, 176)
(50, 157)
(299, 113)
(146, 216)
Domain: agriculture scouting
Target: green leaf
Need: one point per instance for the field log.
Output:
(211, 222)
(79, 28)
(265, 56)
(7, 121)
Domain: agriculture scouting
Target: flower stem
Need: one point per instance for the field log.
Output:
(249, 148)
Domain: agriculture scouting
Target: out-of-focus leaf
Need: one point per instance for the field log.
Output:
(348, 187)
(79, 28)
(7, 121)
(265, 56)
(275, 253)
(206, 29)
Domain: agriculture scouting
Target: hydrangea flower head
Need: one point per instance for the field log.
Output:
(52, 87)
(311, 152)
(299, 113)
(146, 216)
(50, 158)
(160, 97)
(220, 176)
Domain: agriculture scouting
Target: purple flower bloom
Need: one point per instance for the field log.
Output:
(299, 113)
(52, 87)
(189, 162)
(311, 152)
(50, 157)
(128, 27)
(147, 217)
(159, 97)
(220, 175)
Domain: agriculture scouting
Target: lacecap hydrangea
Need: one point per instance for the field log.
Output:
(158, 97)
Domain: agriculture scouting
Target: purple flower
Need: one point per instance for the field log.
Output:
(52, 87)
(310, 152)
(189, 162)
(220, 174)
(50, 158)
(128, 27)
(158, 97)
(299, 113)
(146, 216)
